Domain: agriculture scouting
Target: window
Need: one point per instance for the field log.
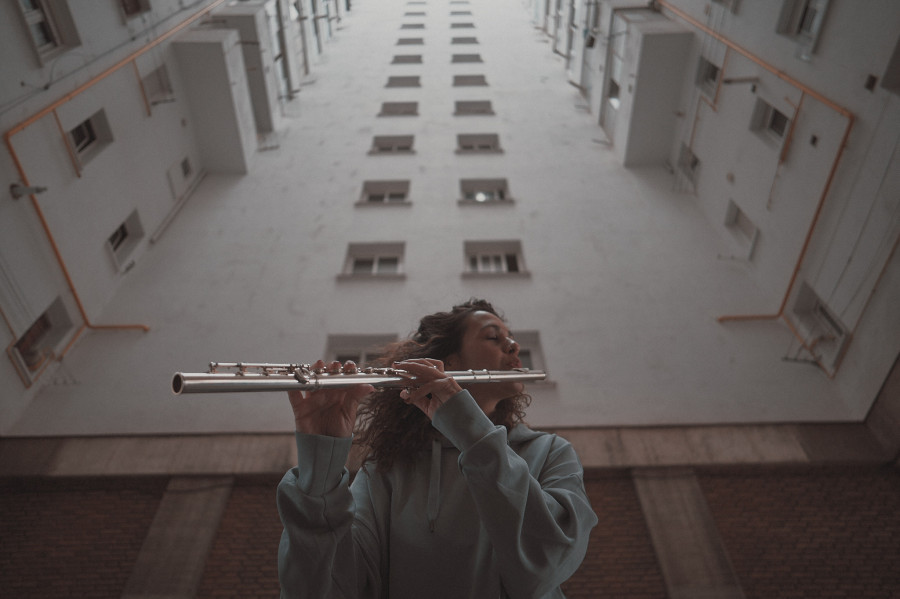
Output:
(380, 193)
(742, 228)
(470, 107)
(413, 26)
(802, 20)
(769, 123)
(410, 41)
(374, 260)
(392, 144)
(414, 14)
(469, 80)
(466, 58)
(688, 163)
(707, 76)
(158, 87)
(90, 136)
(479, 143)
(891, 78)
(50, 26)
(494, 258)
(409, 81)
(462, 25)
(181, 175)
(83, 136)
(36, 346)
(460, 13)
(824, 333)
(399, 109)
(484, 191)
(530, 352)
(134, 8)
(123, 241)
(407, 59)
(731, 5)
(364, 350)
(464, 40)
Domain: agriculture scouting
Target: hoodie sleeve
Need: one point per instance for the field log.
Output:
(537, 516)
(323, 553)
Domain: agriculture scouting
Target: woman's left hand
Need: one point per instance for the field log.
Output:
(431, 385)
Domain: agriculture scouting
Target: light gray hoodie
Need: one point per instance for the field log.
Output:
(482, 514)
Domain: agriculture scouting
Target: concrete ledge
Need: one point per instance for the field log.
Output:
(242, 454)
(691, 555)
(173, 556)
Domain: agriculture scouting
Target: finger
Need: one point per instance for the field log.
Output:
(334, 367)
(422, 367)
(350, 367)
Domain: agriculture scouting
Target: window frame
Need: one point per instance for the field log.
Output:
(491, 258)
(470, 81)
(792, 23)
(143, 7)
(764, 117)
(708, 85)
(391, 109)
(473, 108)
(55, 21)
(406, 59)
(377, 253)
(383, 145)
(478, 143)
(386, 188)
(466, 58)
(404, 81)
(99, 137)
(469, 188)
(124, 240)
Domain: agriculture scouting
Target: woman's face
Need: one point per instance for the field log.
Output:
(486, 345)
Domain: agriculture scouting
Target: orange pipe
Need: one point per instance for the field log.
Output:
(52, 109)
(24, 177)
(828, 182)
(94, 80)
(746, 54)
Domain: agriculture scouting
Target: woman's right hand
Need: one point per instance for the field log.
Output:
(329, 412)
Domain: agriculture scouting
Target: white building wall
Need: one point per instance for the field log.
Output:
(846, 194)
(54, 246)
(610, 313)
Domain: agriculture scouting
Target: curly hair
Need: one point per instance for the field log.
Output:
(389, 430)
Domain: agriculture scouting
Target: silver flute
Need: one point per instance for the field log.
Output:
(253, 376)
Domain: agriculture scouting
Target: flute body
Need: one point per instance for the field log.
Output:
(254, 377)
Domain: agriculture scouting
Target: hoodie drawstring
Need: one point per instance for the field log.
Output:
(434, 485)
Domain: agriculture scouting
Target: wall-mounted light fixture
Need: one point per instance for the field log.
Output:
(18, 190)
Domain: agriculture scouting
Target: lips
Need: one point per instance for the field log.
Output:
(514, 365)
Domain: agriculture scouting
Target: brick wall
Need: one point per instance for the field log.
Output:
(809, 533)
(620, 560)
(790, 532)
(72, 537)
(243, 560)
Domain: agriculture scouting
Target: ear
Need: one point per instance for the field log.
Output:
(451, 362)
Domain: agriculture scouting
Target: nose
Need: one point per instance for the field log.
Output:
(511, 346)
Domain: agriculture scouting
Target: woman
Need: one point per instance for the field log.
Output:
(456, 498)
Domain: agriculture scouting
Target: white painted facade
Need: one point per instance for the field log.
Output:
(625, 253)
